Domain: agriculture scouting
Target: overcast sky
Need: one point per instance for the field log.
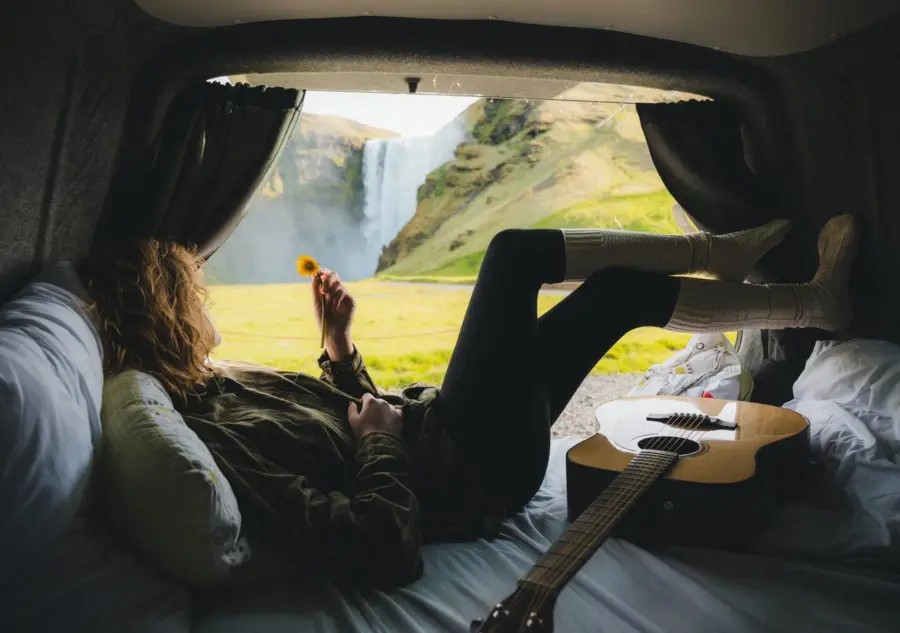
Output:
(409, 115)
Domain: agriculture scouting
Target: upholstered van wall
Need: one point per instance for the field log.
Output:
(66, 69)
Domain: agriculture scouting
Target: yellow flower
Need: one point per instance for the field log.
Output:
(307, 266)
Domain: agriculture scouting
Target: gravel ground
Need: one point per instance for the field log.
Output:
(578, 418)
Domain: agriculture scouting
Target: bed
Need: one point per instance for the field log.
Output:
(622, 589)
(829, 565)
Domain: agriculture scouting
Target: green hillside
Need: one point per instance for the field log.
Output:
(530, 164)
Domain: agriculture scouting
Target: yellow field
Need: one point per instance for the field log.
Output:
(405, 331)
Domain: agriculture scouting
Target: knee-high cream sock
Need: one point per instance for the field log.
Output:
(729, 256)
(716, 306)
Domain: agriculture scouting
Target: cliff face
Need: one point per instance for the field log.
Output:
(311, 203)
(532, 164)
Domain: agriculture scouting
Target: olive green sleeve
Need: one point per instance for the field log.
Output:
(369, 534)
(349, 375)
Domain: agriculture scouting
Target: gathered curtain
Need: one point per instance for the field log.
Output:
(699, 150)
(718, 172)
(215, 146)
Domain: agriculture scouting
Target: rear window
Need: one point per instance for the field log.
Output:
(401, 195)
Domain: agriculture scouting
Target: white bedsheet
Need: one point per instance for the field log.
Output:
(850, 393)
(622, 589)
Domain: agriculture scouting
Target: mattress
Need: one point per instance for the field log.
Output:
(622, 589)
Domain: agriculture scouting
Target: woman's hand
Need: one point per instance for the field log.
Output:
(375, 416)
(339, 307)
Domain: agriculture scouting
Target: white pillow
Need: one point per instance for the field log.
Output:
(862, 378)
(850, 393)
(58, 569)
(51, 380)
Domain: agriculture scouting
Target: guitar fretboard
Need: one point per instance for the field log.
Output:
(582, 538)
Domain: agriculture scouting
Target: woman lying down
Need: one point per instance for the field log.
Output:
(354, 482)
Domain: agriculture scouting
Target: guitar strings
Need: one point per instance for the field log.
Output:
(628, 494)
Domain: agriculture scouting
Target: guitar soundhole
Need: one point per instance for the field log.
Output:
(669, 444)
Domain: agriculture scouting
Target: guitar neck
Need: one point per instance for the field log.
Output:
(585, 535)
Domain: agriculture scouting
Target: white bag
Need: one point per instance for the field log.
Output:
(709, 367)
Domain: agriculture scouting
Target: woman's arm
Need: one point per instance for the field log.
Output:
(349, 374)
(370, 535)
(342, 364)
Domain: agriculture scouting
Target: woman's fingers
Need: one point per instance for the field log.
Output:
(328, 285)
(355, 410)
(366, 403)
(333, 288)
(326, 275)
(322, 283)
(333, 283)
(339, 297)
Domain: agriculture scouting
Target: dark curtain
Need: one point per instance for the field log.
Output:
(711, 164)
(699, 151)
(214, 148)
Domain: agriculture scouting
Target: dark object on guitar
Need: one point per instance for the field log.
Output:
(667, 470)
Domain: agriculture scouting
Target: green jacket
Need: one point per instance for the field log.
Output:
(355, 510)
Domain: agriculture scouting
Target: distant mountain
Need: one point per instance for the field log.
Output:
(532, 164)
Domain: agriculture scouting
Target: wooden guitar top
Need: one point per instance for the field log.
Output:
(728, 455)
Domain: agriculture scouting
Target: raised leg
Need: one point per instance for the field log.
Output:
(510, 374)
(578, 331)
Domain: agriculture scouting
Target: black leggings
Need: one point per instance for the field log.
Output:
(512, 373)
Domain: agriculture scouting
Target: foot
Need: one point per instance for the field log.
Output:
(731, 257)
(837, 246)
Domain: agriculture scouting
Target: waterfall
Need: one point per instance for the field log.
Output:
(393, 170)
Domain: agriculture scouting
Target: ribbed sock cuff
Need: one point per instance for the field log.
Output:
(581, 252)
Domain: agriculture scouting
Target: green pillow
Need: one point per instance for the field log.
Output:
(161, 487)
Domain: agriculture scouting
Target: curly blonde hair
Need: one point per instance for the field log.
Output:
(150, 298)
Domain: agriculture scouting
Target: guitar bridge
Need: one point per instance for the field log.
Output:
(691, 418)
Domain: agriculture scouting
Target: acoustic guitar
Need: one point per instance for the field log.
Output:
(663, 470)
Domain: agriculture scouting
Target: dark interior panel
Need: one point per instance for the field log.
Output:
(67, 70)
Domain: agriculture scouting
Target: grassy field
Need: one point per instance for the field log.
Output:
(405, 331)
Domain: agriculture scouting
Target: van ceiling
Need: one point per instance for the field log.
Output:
(468, 85)
(759, 27)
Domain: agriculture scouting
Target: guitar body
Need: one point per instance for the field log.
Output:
(663, 469)
(719, 496)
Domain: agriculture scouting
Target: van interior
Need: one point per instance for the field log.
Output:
(124, 118)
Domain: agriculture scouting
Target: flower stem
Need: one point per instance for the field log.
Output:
(322, 342)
